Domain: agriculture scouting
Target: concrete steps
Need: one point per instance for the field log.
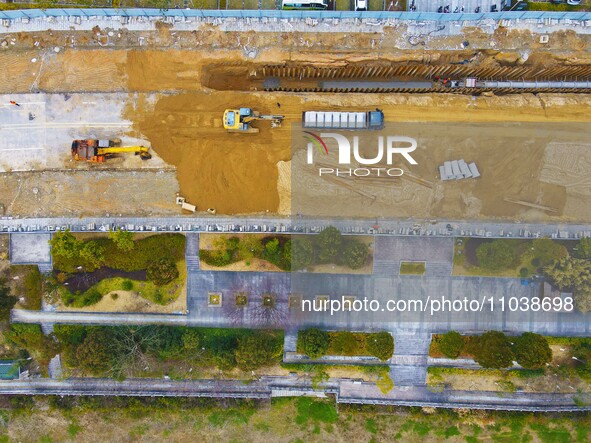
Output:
(192, 244)
(385, 267)
(438, 269)
(408, 375)
(192, 263)
(412, 344)
(290, 341)
(45, 268)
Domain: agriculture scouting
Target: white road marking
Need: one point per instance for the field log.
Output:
(21, 149)
(64, 125)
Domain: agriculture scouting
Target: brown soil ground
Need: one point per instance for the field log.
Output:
(68, 193)
(238, 173)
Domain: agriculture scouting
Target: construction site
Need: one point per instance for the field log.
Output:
(208, 109)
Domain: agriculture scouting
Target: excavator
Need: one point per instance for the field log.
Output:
(239, 120)
(97, 151)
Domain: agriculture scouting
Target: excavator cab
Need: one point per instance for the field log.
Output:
(239, 120)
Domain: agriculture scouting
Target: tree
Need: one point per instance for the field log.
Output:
(92, 253)
(302, 253)
(250, 246)
(286, 256)
(355, 254)
(548, 251)
(313, 342)
(162, 272)
(451, 344)
(272, 247)
(329, 243)
(64, 244)
(492, 350)
(532, 350)
(191, 340)
(30, 337)
(344, 343)
(123, 239)
(495, 255)
(583, 249)
(381, 345)
(95, 353)
(7, 301)
(572, 274)
(256, 350)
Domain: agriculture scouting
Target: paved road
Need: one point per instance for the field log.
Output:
(347, 391)
(439, 228)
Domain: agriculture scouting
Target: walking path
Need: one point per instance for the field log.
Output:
(346, 391)
(408, 366)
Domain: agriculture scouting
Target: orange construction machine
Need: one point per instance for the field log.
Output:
(97, 151)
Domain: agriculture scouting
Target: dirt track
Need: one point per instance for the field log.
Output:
(237, 173)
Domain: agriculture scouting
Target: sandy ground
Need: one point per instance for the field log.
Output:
(248, 173)
(69, 193)
(131, 302)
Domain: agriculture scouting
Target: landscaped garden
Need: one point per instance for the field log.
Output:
(316, 343)
(87, 269)
(550, 364)
(564, 264)
(328, 251)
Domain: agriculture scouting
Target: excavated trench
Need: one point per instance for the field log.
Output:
(384, 78)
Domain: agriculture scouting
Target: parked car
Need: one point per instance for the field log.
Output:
(361, 5)
(573, 2)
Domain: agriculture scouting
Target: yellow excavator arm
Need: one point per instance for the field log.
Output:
(116, 150)
(142, 151)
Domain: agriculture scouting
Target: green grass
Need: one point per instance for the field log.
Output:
(30, 282)
(344, 5)
(315, 410)
(412, 268)
(547, 6)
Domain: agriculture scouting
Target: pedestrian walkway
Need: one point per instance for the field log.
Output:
(192, 251)
(434, 269)
(408, 365)
(290, 341)
(55, 367)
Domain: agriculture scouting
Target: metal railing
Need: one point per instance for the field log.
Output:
(179, 14)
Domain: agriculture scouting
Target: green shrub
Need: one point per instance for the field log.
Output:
(532, 351)
(495, 255)
(524, 272)
(127, 285)
(343, 343)
(313, 342)
(355, 254)
(380, 345)
(492, 350)
(162, 272)
(451, 344)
